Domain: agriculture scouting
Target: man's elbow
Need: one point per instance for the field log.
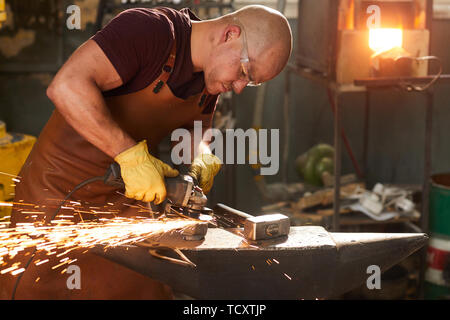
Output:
(58, 89)
(54, 90)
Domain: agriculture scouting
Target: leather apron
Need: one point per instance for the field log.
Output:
(62, 158)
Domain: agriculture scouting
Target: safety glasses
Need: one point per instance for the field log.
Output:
(245, 73)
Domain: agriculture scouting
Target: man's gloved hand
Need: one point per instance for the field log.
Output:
(204, 168)
(144, 174)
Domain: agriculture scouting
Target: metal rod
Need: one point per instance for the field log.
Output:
(393, 81)
(424, 218)
(100, 13)
(344, 137)
(337, 160)
(285, 128)
(281, 5)
(366, 133)
(428, 161)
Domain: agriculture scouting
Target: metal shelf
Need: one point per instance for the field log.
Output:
(369, 85)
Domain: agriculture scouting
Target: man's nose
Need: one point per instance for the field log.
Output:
(239, 85)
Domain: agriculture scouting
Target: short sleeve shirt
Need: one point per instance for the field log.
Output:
(138, 43)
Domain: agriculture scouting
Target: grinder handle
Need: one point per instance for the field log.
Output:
(113, 177)
(176, 189)
(230, 214)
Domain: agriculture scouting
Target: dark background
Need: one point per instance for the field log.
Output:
(397, 124)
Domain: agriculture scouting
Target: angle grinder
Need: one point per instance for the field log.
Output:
(186, 199)
(183, 197)
(183, 193)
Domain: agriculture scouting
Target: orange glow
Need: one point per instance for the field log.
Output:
(383, 39)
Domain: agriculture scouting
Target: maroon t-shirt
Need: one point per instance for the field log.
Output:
(138, 42)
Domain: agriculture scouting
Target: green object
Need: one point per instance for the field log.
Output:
(312, 164)
(435, 292)
(301, 163)
(440, 204)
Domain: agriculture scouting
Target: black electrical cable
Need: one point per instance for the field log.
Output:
(412, 87)
(77, 187)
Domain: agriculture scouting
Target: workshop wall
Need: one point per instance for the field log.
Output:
(396, 126)
(30, 55)
(396, 131)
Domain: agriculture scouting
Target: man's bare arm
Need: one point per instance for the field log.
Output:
(76, 93)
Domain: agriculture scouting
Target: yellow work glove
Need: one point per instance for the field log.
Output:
(144, 174)
(204, 168)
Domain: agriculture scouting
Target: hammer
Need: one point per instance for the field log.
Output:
(255, 228)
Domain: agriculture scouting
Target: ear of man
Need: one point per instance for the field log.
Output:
(232, 32)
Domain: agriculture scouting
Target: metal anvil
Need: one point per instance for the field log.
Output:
(309, 263)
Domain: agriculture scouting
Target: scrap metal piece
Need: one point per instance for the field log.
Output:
(310, 263)
(195, 232)
(371, 202)
(184, 261)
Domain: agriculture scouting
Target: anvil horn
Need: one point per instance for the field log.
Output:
(357, 251)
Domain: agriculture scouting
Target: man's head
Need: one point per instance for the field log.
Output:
(249, 46)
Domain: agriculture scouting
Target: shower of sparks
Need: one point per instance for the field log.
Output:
(6, 204)
(10, 175)
(287, 276)
(65, 236)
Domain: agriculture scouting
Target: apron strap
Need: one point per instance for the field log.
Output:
(167, 71)
(203, 97)
(167, 68)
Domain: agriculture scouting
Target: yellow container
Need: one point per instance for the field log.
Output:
(14, 150)
(2, 12)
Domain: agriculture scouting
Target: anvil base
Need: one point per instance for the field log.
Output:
(310, 263)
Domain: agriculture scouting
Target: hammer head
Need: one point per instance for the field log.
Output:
(266, 226)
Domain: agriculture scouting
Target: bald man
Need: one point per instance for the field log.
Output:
(148, 72)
